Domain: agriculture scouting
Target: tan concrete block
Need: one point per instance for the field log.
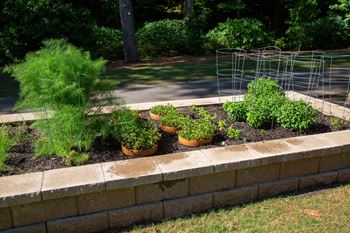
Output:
(278, 187)
(5, 218)
(249, 176)
(82, 224)
(300, 167)
(20, 189)
(36, 228)
(212, 182)
(42, 211)
(319, 179)
(160, 191)
(184, 165)
(187, 205)
(344, 175)
(231, 158)
(131, 172)
(235, 196)
(136, 214)
(340, 138)
(274, 151)
(313, 146)
(72, 181)
(106, 200)
(335, 162)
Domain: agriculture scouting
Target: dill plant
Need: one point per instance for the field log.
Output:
(61, 78)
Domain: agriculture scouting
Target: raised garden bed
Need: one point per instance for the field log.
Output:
(22, 159)
(106, 195)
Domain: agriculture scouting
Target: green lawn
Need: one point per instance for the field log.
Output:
(321, 212)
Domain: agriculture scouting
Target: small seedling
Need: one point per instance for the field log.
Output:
(222, 124)
(233, 133)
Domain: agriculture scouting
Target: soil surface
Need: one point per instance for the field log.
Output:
(21, 158)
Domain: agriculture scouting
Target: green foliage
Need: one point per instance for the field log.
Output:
(25, 24)
(263, 98)
(124, 116)
(233, 133)
(163, 109)
(203, 113)
(221, 124)
(337, 123)
(108, 43)
(263, 87)
(200, 129)
(163, 38)
(65, 134)
(174, 120)
(7, 141)
(236, 110)
(57, 75)
(239, 33)
(136, 134)
(296, 115)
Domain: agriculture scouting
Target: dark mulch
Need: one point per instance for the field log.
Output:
(22, 159)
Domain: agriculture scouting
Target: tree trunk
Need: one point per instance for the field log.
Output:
(187, 8)
(129, 39)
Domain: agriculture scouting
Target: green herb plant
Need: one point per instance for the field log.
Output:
(296, 115)
(137, 134)
(163, 109)
(61, 78)
(203, 113)
(337, 123)
(222, 124)
(7, 141)
(174, 120)
(233, 133)
(237, 111)
(200, 129)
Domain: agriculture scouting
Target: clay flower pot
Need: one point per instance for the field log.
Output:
(169, 129)
(145, 152)
(154, 117)
(194, 143)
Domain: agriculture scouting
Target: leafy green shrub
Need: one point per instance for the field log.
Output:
(262, 100)
(124, 115)
(137, 134)
(174, 120)
(233, 133)
(163, 38)
(200, 129)
(296, 115)
(163, 109)
(65, 134)
(238, 33)
(108, 43)
(236, 110)
(328, 32)
(57, 75)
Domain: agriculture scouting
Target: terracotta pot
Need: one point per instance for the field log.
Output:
(169, 129)
(194, 143)
(145, 152)
(153, 116)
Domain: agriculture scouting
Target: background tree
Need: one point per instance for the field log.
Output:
(129, 38)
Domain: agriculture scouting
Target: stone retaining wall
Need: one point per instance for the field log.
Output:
(97, 197)
(117, 194)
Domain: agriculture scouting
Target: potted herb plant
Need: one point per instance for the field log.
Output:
(137, 136)
(172, 122)
(197, 132)
(160, 110)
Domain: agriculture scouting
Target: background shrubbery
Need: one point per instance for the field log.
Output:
(164, 31)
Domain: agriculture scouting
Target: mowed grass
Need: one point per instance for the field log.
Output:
(322, 212)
